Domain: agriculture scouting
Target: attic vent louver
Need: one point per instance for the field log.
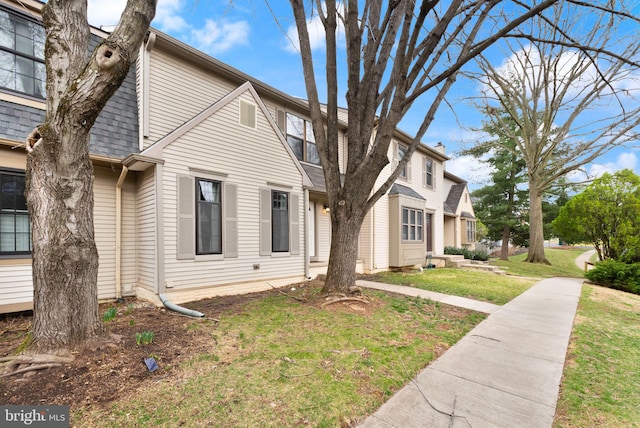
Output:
(248, 114)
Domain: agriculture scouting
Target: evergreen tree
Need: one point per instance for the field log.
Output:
(500, 204)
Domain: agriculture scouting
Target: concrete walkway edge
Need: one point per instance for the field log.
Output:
(461, 302)
(506, 372)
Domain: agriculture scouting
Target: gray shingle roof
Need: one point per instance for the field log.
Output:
(453, 198)
(399, 189)
(114, 134)
(316, 175)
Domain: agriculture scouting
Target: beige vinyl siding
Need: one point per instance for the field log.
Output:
(104, 219)
(366, 241)
(249, 158)
(15, 159)
(178, 91)
(323, 233)
(129, 235)
(342, 151)
(343, 115)
(435, 197)
(465, 203)
(450, 229)
(146, 230)
(381, 234)
(16, 286)
(375, 232)
(104, 189)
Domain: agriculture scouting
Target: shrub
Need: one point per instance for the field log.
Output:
(616, 275)
(481, 255)
(468, 254)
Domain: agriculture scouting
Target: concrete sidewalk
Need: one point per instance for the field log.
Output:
(584, 257)
(461, 302)
(506, 372)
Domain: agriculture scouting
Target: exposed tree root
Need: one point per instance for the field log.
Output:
(344, 299)
(355, 351)
(30, 369)
(13, 364)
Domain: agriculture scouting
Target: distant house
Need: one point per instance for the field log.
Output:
(460, 219)
(207, 181)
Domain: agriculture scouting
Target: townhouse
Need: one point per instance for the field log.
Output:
(207, 180)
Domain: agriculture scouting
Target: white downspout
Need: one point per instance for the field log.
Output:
(306, 233)
(373, 239)
(143, 98)
(123, 175)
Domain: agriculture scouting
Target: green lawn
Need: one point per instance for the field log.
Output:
(488, 286)
(281, 363)
(562, 264)
(477, 285)
(601, 385)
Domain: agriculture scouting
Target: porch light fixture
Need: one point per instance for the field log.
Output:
(325, 208)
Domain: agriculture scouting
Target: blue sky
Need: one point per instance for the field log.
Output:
(256, 37)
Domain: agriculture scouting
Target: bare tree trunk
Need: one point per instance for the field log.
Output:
(536, 234)
(59, 174)
(65, 257)
(504, 250)
(341, 272)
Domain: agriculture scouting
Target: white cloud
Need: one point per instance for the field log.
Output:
(108, 13)
(316, 34)
(105, 13)
(471, 169)
(168, 17)
(216, 37)
(625, 160)
(213, 37)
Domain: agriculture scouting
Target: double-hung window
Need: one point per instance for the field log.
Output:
(279, 221)
(22, 66)
(209, 217)
(402, 150)
(428, 173)
(412, 224)
(301, 139)
(15, 230)
(471, 231)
